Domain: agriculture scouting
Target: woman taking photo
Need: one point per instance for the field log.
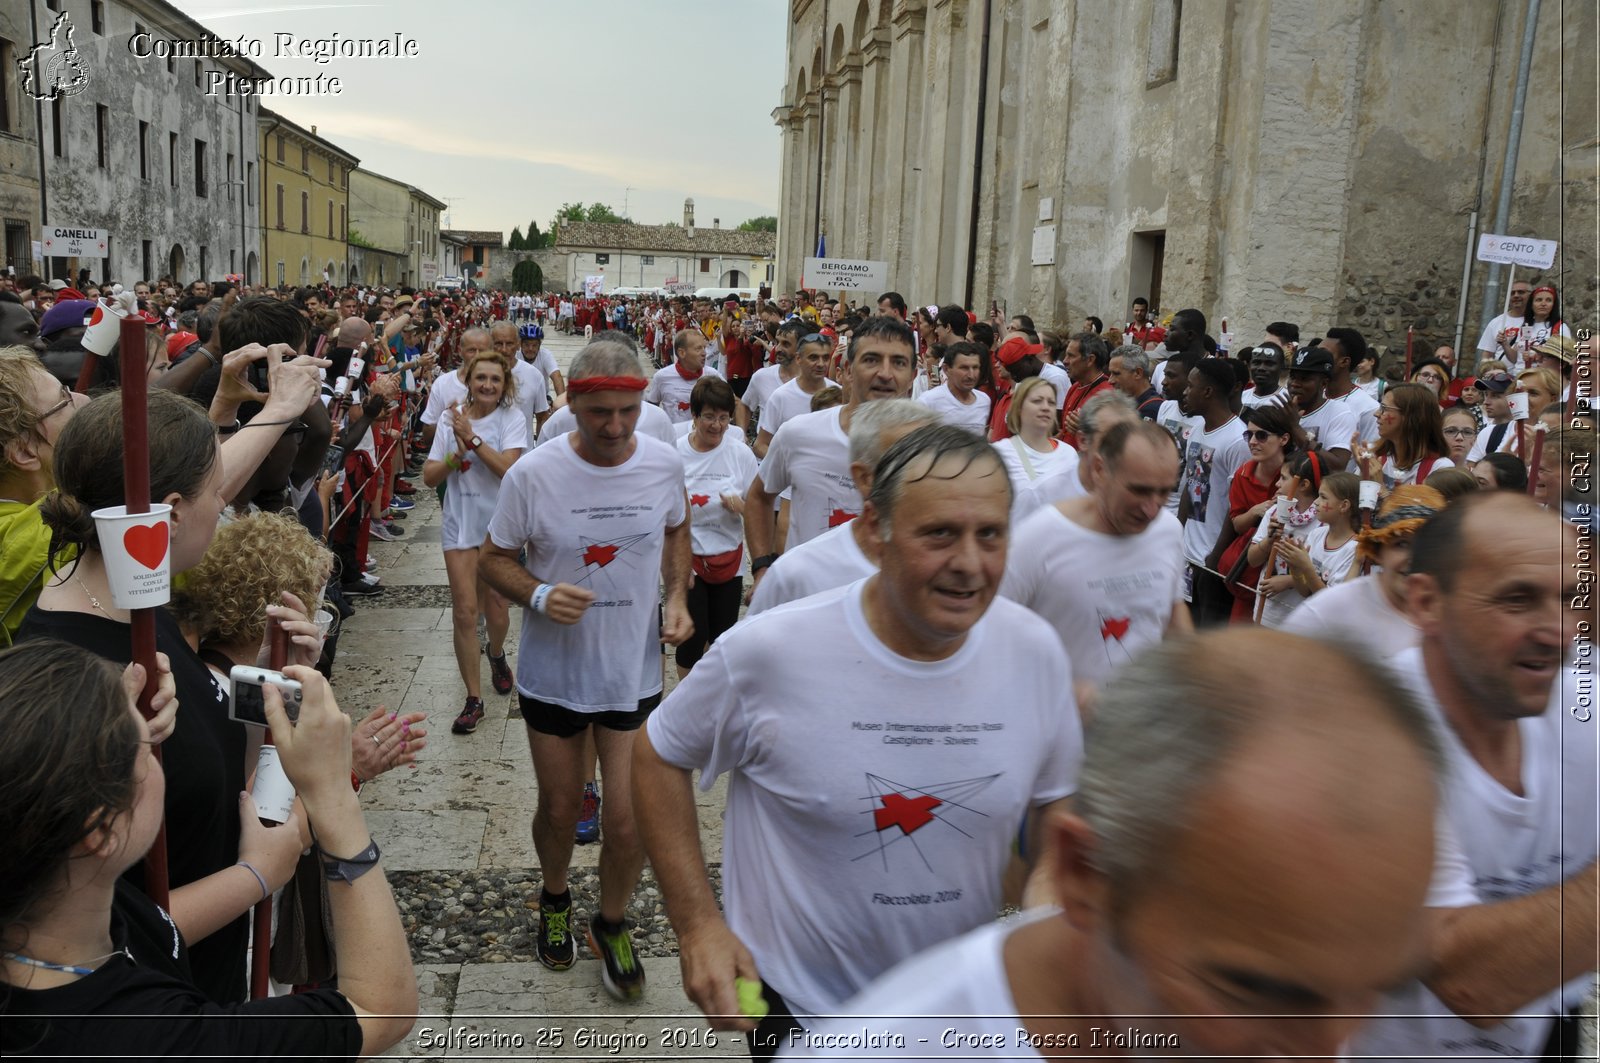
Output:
(1410, 438)
(477, 443)
(89, 961)
(221, 861)
(1032, 450)
(717, 470)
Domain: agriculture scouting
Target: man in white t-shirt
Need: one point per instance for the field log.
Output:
(1495, 341)
(957, 399)
(1490, 590)
(531, 396)
(1499, 434)
(600, 514)
(1213, 451)
(1105, 570)
(1329, 424)
(1266, 371)
(531, 338)
(793, 399)
(672, 384)
(1261, 923)
(811, 454)
(879, 776)
(768, 379)
(840, 555)
(1348, 347)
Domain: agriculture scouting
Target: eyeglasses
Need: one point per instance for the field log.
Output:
(1260, 435)
(1386, 408)
(1460, 433)
(66, 400)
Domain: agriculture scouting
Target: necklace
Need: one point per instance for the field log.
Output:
(92, 601)
(84, 969)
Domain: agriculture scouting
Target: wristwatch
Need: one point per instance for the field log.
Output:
(477, 441)
(759, 563)
(337, 870)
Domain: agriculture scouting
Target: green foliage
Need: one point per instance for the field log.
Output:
(515, 242)
(526, 276)
(764, 224)
(596, 212)
(355, 239)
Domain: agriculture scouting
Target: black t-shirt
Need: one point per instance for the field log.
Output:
(140, 1004)
(204, 765)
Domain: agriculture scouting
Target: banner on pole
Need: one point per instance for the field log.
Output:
(1517, 251)
(840, 274)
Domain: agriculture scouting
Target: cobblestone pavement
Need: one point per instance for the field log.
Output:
(456, 841)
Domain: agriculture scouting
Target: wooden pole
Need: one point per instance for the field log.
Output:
(261, 932)
(136, 497)
(1538, 454)
(1409, 335)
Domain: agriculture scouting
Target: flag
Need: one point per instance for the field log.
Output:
(822, 245)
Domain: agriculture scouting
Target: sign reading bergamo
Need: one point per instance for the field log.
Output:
(839, 274)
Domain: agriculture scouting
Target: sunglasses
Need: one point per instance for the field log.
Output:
(1260, 435)
(814, 337)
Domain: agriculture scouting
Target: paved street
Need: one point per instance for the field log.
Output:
(455, 835)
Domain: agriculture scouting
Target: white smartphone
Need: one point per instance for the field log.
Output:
(246, 704)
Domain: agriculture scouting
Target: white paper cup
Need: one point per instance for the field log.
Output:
(272, 790)
(1518, 401)
(324, 622)
(1368, 492)
(105, 327)
(138, 554)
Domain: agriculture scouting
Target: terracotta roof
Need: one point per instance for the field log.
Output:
(490, 237)
(662, 239)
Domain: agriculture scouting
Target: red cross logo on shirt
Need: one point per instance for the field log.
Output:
(840, 516)
(907, 813)
(683, 405)
(1114, 627)
(601, 554)
(699, 500)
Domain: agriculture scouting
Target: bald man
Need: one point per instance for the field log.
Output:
(1207, 904)
(1490, 593)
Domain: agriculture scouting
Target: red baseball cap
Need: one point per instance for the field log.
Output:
(1015, 349)
(178, 341)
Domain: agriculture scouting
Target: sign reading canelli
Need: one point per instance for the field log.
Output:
(74, 241)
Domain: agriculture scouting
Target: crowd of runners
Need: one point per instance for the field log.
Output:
(1255, 668)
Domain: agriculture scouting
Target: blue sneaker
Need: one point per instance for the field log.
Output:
(589, 818)
(402, 504)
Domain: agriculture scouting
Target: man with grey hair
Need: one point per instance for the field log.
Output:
(653, 420)
(1108, 408)
(1129, 370)
(1196, 883)
(600, 512)
(839, 556)
(1087, 361)
(878, 776)
(448, 388)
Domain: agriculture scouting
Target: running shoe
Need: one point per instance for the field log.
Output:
(620, 969)
(500, 674)
(558, 949)
(382, 531)
(470, 716)
(589, 818)
(361, 590)
(403, 505)
(370, 580)
(404, 487)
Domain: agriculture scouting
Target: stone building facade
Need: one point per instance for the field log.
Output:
(654, 256)
(148, 150)
(19, 145)
(398, 226)
(1310, 160)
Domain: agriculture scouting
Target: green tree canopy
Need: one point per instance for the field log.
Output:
(597, 212)
(515, 242)
(764, 224)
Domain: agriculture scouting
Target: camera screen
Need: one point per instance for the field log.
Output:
(248, 706)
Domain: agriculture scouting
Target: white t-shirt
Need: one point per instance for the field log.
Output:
(714, 528)
(652, 422)
(1170, 416)
(785, 403)
(1358, 612)
(1106, 596)
(447, 388)
(1514, 846)
(546, 363)
(832, 559)
(953, 1001)
(839, 751)
(1330, 425)
(1275, 398)
(531, 397)
(1394, 476)
(1365, 407)
(602, 529)
(1209, 462)
(1059, 378)
(670, 390)
(1058, 486)
(1025, 465)
(1373, 388)
(811, 454)
(1526, 339)
(1332, 566)
(973, 416)
(763, 382)
(469, 501)
(1480, 446)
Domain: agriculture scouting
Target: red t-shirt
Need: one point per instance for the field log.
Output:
(1148, 333)
(740, 355)
(1077, 395)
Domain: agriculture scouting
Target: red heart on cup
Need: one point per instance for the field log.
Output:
(147, 544)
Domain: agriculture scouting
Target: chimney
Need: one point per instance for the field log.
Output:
(688, 214)
(716, 223)
(313, 130)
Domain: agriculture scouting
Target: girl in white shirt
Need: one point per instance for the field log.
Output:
(480, 439)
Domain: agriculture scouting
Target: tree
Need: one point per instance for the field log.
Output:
(764, 224)
(526, 276)
(535, 240)
(597, 212)
(515, 243)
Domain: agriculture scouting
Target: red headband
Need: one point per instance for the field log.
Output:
(1542, 288)
(1316, 471)
(590, 384)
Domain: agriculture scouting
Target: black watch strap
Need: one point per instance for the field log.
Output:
(337, 870)
(759, 563)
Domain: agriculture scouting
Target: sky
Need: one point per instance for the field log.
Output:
(513, 107)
